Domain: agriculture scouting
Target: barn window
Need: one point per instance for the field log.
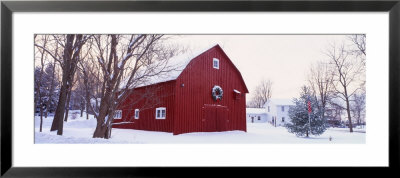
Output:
(258, 118)
(283, 108)
(161, 113)
(283, 119)
(216, 63)
(268, 109)
(118, 114)
(136, 113)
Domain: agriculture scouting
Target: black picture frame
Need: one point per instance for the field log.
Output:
(8, 7)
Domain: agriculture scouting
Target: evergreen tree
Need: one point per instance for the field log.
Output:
(48, 89)
(299, 115)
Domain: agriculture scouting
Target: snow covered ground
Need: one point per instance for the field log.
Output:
(80, 131)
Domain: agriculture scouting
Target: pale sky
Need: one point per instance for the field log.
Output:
(284, 59)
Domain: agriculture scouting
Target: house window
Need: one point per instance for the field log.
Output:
(268, 109)
(118, 114)
(283, 108)
(136, 113)
(258, 118)
(215, 63)
(161, 113)
(283, 119)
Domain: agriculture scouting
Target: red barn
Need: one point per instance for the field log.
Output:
(208, 95)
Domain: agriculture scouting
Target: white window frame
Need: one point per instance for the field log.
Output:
(136, 116)
(161, 109)
(215, 60)
(118, 113)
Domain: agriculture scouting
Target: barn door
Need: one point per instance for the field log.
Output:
(210, 119)
(215, 118)
(222, 118)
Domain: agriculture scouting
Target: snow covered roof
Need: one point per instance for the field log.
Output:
(255, 111)
(177, 64)
(280, 102)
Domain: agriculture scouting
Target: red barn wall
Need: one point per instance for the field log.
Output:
(198, 78)
(164, 93)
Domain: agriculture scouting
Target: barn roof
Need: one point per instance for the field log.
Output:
(179, 63)
(173, 69)
(280, 102)
(255, 111)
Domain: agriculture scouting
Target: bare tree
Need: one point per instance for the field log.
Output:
(125, 62)
(359, 40)
(320, 80)
(262, 94)
(358, 107)
(358, 49)
(67, 104)
(347, 73)
(38, 81)
(90, 82)
(71, 46)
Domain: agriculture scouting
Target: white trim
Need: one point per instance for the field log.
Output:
(215, 60)
(121, 123)
(118, 114)
(138, 112)
(160, 115)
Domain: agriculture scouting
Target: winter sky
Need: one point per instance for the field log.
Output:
(284, 59)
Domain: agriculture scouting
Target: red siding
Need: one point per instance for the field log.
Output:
(198, 78)
(164, 93)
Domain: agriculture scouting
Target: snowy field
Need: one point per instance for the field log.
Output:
(80, 131)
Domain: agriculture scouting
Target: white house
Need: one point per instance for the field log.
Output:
(277, 111)
(256, 115)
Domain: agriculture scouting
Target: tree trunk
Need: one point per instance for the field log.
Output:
(36, 102)
(59, 114)
(348, 109)
(41, 118)
(101, 126)
(40, 103)
(67, 76)
(87, 114)
(349, 116)
(87, 93)
(67, 105)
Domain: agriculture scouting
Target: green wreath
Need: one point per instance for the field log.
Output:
(217, 93)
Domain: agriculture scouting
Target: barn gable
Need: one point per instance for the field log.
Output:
(217, 47)
(196, 108)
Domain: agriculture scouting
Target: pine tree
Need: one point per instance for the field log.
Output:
(299, 124)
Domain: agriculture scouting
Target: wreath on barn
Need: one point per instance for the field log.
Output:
(217, 92)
